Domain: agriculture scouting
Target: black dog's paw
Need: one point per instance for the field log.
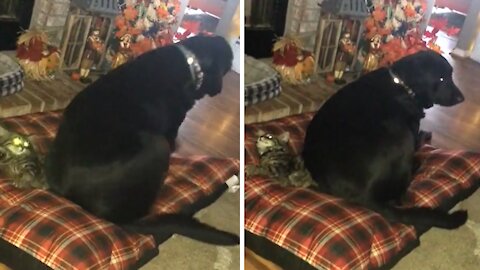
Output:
(416, 164)
(457, 218)
(425, 135)
(236, 239)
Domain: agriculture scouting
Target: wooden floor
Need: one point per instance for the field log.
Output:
(456, 127)
(212, 127)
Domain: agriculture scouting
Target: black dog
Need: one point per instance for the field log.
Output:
(111, 152)
(360, 145)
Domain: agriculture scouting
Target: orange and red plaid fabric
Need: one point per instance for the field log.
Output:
(329, 233)
(63, 236)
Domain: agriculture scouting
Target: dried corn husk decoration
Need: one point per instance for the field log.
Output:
(294, 64)
(38, 59)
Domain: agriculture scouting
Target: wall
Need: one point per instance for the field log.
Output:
(470, 29)
(212, 6)
(458, 5)
(229, 28)
(428, 14)
(226, 18)
(234, 38)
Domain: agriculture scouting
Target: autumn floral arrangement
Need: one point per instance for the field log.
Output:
(146, 23)
(294, 64)
(397, 23)
(36, 55)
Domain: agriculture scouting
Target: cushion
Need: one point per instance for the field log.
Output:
(63, 236)
(262, 82)
(326, 232)
(11, 76)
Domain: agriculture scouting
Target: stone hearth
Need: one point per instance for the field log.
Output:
(294, 99)
(40, 96)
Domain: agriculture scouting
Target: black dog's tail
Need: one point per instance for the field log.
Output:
(163, 226)
(422, 217)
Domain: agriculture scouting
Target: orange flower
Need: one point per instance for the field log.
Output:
(413, 50)
(134, 31)
(369, 23)
(162, 13)
(373, 31)
(392, 51)
(121, 32)
(434, 47)
(414, 41)
(164, 40)
(120, 22)
(384, 31)
(379, 14)
(130, 13)
(410, 12)
(424, 5)
(177, 7)
(141, 46)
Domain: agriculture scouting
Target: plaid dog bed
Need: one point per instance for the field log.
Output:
(303, 229)
(63, 236)
(261, 81)
(11, 76)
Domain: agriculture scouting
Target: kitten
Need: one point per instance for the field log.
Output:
(19, 161)
(277, 161)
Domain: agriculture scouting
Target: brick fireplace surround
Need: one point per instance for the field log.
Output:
(48, 15)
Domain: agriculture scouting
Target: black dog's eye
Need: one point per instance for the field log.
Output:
(442, 79)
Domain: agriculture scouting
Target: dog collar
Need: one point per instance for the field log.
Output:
(399, 81)
(194, 66)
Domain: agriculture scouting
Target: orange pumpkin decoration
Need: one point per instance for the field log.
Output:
(75, 76)
(330, 78)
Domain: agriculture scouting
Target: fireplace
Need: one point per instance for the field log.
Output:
(264, 22)
(15, 16)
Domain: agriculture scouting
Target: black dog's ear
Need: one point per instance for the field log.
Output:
(224, 53)
(215, 57)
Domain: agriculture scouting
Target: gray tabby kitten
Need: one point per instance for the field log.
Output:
(277, 161)
(19, 161)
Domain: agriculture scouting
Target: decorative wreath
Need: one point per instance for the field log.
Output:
(397, 22)
(37, 57)
(149, 23)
